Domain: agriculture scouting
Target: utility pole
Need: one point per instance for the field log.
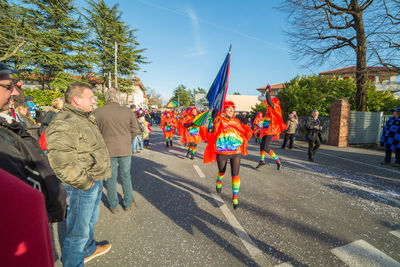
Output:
(115, 63)
(109, 79)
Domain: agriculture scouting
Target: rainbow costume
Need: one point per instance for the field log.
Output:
(168, 125)
(228, 141)
(272, 127)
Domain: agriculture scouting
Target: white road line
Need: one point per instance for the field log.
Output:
(360, 254)
(360, 162)
(251, 247)
(285, 264)
(372, 191)
(199, 172)
(396, 233)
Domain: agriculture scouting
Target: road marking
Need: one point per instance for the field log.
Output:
(199, 172)
(397, 202)
(360, 162)
(396, 233)
(373, 192)
(359, 254)
(285, 264)
(251, 247)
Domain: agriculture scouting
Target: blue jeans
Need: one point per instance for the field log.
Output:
(125, 177)
(140, 141)
(137, 143)
(82, 214)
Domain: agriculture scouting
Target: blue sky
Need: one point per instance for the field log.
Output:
(187, 41)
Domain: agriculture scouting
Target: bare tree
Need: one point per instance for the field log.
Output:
(336, 29)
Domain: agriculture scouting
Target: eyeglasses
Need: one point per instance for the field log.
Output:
(9, 87)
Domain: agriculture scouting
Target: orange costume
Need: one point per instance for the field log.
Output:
(191, 134)
(272, 127)
(257, 124)
(168, 125)
(228, 141)
(228, 138)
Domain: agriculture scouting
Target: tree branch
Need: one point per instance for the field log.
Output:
(7, 56)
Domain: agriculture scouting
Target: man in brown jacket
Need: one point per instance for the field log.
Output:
(119, 127)
(290, 130)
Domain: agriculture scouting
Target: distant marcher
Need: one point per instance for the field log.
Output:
(314, 130)
(271, 129)
(79, 156)
(169, 125)
(391, 138)
(118, 127)
(291, 124)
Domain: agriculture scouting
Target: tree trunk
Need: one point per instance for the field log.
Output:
(361, 67)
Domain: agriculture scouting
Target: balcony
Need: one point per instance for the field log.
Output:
(392, 87)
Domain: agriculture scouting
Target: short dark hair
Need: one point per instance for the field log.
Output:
(132, 106)
(75, 89)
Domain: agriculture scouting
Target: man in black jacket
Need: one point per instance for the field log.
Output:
(314, 129)
(21, 155)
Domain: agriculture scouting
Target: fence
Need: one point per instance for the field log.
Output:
(364, 127)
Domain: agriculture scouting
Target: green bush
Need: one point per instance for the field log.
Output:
(43, 97)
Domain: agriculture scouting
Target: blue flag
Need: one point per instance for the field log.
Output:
(216, 94)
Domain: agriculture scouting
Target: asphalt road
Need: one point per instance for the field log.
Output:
(342, 210)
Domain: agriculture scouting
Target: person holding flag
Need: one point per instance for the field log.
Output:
(272, 127)
(228, 141)
(168, 125)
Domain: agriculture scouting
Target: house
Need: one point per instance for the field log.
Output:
(274, 89)
(137, 97)
(386, 79)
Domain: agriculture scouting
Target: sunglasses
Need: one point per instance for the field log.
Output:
(9, 87)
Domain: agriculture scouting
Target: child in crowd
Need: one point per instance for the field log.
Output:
(146, 134)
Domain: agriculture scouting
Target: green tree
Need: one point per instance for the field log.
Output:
(108, 30)
(155, 98)
(236, 93)
(182, 96)
(57, 43)
(12, 33)
(351, 30)
(318, 92)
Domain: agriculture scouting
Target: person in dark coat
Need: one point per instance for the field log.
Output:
(119, 127)
(314, 129)
(21, 156)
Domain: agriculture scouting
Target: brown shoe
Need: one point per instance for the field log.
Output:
(114, 210)
(130, 207)
(101, 249)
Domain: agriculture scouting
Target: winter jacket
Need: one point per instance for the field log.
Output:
(118, 126)
(76, 149)
(312, 133)
(291, 125)
(21, 155)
